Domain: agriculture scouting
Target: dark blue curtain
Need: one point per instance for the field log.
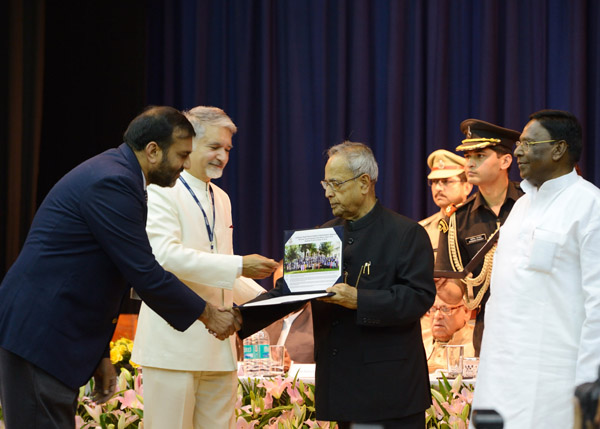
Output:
(399, 75)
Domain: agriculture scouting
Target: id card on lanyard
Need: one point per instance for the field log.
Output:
(210, 231)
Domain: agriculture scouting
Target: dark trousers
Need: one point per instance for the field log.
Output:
(414, 421)
(33, 399)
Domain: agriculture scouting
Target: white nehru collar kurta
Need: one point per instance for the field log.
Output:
(542, 322)
(179, 239)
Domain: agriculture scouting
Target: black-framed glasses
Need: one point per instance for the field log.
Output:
(336, 184)
(446, 310)
(526, 145)
(443, 182)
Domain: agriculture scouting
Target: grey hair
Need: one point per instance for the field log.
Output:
(200, 116)
(359, 156)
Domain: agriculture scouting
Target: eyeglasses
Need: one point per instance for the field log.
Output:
(443, 182)
(335, 185)
(526, 145)
(447, 311)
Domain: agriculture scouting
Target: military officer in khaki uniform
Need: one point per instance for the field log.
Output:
(488, 152)
(448, 184)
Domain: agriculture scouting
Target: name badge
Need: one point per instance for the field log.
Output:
(475, 239)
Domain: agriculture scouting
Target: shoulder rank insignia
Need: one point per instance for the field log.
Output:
(443, 226)
(450, 209)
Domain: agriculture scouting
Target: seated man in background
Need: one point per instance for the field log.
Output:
(449, 317)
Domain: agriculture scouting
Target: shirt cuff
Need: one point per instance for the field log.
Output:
(240, 266)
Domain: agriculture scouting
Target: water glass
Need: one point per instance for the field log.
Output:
(277, 354)
(454, 355)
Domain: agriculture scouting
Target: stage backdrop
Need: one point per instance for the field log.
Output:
(300, 76)
(297, 76)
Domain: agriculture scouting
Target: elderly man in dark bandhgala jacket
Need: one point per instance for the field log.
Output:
(370, 362)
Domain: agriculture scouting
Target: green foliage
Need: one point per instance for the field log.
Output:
(277, 403)
(326, 248)
(451, 405)
(273, 403)
(292, 252)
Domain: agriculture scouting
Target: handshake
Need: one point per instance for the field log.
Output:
(221, 321)
(225, 321)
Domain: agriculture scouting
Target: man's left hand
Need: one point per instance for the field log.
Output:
(345, 295)
(105, 381)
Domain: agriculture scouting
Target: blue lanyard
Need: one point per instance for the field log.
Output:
(211, 232)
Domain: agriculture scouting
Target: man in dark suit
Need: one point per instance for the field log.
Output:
(370, 362)
(87, 246)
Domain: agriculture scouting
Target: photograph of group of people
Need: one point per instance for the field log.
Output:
(310, 257)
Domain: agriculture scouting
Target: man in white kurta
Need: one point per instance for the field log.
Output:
(190, 378)
(542, 335)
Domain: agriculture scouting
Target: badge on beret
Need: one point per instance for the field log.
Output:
(443, 226)
(441, 164)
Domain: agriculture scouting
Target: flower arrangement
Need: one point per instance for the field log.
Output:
(451, 405)
(120, 354)
(124, 410)
(277, 403)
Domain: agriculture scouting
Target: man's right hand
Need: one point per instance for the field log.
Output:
(220, 323)
(257, 266)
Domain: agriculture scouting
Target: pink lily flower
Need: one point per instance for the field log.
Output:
(94, 411)
(238, 402)
(78, 423)
(247, 409)
(438, 410)
(455, 407)
(268, 401)
(275, 386)
(130, 400)
(466, 395)
(241, 423)
(287, 415)
(309, 394)
(295, 397)
(138, 385)
(457, 422)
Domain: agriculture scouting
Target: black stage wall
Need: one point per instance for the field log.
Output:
(77, 77)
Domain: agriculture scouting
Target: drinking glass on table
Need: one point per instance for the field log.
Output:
(454, 356)
(277, 354)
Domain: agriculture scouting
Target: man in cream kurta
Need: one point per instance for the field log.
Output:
(542, 335)
(190, 378)
(448, 319)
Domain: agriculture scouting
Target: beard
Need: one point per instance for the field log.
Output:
(213, 172)
(164, 175)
